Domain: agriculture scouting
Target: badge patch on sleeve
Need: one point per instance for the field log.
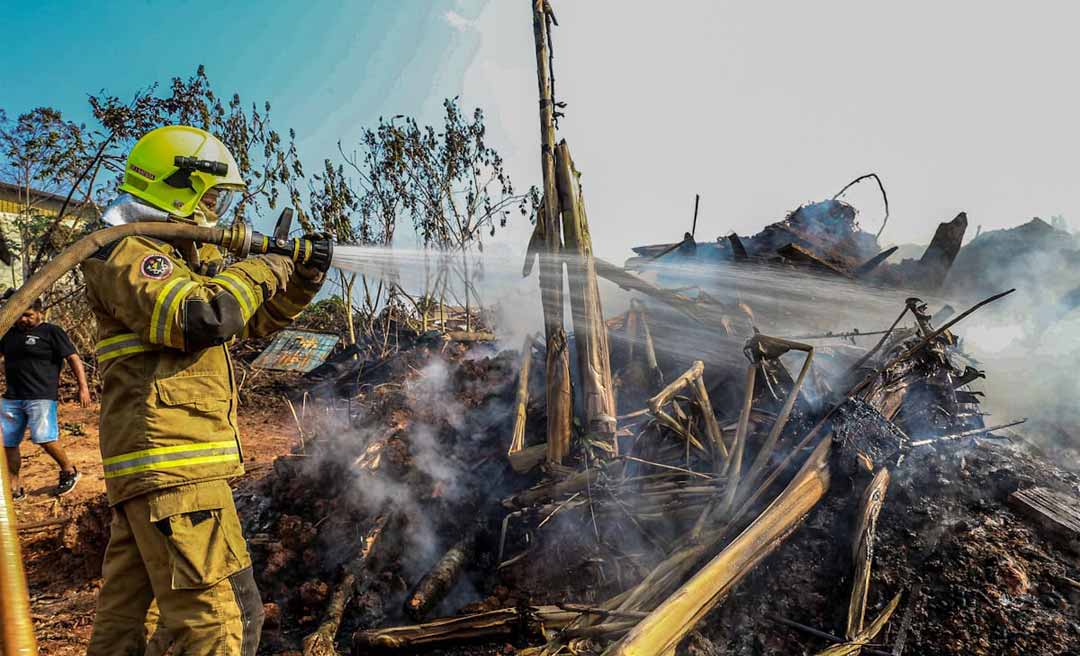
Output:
(156, 267)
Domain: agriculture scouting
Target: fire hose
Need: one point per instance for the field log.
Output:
(16, 631)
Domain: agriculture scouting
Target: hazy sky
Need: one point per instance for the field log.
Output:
(762, 106)
(756, 106)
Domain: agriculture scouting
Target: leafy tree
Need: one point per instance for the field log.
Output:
(447, 181)
(66, 156)
(40, 151)
(268, 164)
(332, 204)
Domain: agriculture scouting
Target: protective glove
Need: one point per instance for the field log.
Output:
(322, 253)
(282, 267)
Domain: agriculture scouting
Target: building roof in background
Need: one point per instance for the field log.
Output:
(54, 201)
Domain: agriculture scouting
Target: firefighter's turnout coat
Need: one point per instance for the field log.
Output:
(168, 410)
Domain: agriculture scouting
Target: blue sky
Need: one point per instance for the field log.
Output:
(759, 107)
(328, 68)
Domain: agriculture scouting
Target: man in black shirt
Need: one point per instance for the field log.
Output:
(34, 352)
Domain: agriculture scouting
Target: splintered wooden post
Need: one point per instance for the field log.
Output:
(689, 378)
(560, 399)
(559, 395)
(548, 219)
(521, 401)
(863, 551)
(594, 360)
(734, 465)
(766, 450)
(656, 376)
(939, 255)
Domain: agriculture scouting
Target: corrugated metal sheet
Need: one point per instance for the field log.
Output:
(296, 350)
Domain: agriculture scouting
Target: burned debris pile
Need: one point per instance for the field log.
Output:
(764, 508)
(671, 480)
(823, 237)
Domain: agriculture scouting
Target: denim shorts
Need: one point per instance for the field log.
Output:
(38, 414)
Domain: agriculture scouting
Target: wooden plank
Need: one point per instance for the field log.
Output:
(1057, 514)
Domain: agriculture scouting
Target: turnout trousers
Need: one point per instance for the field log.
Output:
(184, 548)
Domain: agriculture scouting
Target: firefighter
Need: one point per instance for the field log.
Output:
(166, 314)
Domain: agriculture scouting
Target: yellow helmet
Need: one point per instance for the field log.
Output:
(173, 167)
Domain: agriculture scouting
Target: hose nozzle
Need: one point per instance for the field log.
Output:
(312, 251)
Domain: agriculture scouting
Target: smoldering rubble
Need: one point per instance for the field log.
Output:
(840, 495)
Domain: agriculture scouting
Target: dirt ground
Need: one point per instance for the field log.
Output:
(63, 559)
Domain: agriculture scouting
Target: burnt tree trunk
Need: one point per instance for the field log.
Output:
(551, 273)
(594, 360)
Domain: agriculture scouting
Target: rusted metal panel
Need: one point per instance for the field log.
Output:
(296, 350)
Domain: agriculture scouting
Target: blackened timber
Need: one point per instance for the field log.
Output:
(872, 263)
(594, 360)
(939, 255)
(434, 586)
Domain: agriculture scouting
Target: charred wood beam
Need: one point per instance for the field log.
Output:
(734, 464)
(691, 378)
(495, 623)
(863, 551)
(799, 255)
(369, 556)
(431, 589)
(321, 642)
(594, 358)
(521, 403)
(773, 348)
(630, 282)
(866, 267)
(738, 251)
(1057, 514)
(939, 255)
(560, 401)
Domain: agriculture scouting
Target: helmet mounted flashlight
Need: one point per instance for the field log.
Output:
(204, 165)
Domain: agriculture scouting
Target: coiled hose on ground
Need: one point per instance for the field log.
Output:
(16, 631)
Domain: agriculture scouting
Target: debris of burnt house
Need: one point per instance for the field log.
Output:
(824, 237)
(793, 515)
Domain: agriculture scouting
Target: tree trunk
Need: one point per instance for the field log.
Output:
(468, 305)
(551, 282)
(560, 407)
(346, 296)
(594, 360)
(559, 396)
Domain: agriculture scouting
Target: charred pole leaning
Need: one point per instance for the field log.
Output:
(559, 408)
(548, 219)
(594, 359)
